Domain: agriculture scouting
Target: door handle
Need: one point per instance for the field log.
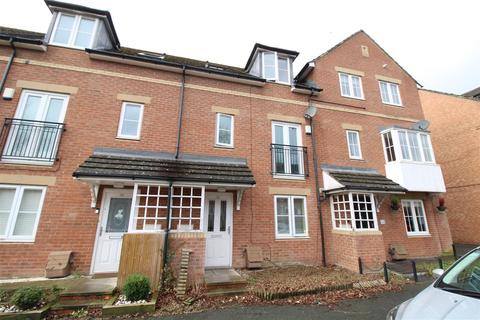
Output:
(228, 229)
(101, 231)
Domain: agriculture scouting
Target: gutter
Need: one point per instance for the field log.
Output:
(9, 65)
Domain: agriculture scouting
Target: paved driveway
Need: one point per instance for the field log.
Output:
(367, 309)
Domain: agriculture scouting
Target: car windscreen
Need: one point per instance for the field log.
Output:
(464, 276)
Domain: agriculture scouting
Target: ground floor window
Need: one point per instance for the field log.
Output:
(20, 208)
(291, 216)
(354, 211)
(415, 219)
(151, 206)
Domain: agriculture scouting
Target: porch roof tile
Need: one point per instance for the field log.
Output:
(163, 166)
(368, 181)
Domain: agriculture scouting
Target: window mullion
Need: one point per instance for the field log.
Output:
(276, 66)
(420, 146)
(14, 211)
(414, 216)
(352, 214)
(291, 217)
(73, 34)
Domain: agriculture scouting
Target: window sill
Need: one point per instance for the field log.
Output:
(293, 238)
(28, 162)
(357, 159)
(354, 98)
(60, 45)
(357, 232)
(11, 241)
(419, 235)
(289, 177)
(128, 138)
(219, 146)
(393, 105)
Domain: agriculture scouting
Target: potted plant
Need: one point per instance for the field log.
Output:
(441, 205)
(394, 203)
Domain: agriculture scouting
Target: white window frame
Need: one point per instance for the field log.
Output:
(352, 213)
(301, 174)
(120, 123)
(411, 204)
(74, 33)
(217, 130)
(291, 217)
(420, 146)
(276, 56)
(390, 93)
(393, 148)
(12, 218)
(134, 208)
(350, 85)
(357, 135)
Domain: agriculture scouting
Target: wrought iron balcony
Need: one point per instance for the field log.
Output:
(289, 160)
(30, 141)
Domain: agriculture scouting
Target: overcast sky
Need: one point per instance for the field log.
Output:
(437, 42)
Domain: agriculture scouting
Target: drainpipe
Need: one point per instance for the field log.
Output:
(167, 231)
(180, 112)
(9, 65)
(317, 185)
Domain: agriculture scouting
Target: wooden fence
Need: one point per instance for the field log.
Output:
(142, 253)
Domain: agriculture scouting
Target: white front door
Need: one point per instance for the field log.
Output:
(218, 227)
(114, 221)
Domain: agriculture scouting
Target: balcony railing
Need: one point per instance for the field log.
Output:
(30, 140)
(289, 160)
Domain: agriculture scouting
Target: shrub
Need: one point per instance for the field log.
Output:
(137, 287)
(27, 297)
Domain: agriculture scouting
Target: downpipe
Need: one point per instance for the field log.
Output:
(180, 113)
(9, 65)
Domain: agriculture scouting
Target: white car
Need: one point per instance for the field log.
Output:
(454, 295)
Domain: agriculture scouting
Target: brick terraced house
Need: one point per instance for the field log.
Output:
(100, 140)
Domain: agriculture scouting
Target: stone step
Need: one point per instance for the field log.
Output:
(78, 304)
(226, 292)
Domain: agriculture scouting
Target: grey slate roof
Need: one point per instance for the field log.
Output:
(145, 165)
(475, 93)
(367, 181)
(21, 35)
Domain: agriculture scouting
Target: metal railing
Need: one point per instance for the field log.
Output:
(30, 140)
(289, 160)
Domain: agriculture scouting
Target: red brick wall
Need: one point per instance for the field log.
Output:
(196, 244)
(454, 126)
(67, 221)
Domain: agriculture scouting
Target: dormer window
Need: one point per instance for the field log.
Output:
(270, 63)
(276, 67)
(75, 31)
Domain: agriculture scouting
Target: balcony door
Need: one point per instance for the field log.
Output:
(287, 150)
(35, 131)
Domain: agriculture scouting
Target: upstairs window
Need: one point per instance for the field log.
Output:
(130, 121)
(276, 67)
(390, 93)
(413, 145)
(224, 134)
(353, 140)
(74, 31)
(351, 86)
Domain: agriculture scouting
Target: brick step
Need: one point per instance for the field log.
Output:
(226, 292)
(226, 285)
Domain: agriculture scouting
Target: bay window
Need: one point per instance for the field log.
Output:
(291, 216)
(412, 145)
(20, 208)
(354, 211)
(414, 215)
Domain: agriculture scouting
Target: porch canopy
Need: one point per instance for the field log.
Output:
(338, 179)
(121, 167)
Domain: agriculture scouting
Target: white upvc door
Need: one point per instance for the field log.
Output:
(113, 224)
(218, 228)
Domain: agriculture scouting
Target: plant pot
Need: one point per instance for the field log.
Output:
(441, 210)
(394, 207)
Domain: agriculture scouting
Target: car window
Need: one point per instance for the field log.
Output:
(465, 274)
